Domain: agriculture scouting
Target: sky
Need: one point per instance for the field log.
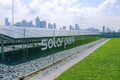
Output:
(86, 13)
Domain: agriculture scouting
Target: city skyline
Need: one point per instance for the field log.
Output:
(44, 24)
(39, 24)
(92, 13)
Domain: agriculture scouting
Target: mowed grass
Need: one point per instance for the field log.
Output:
(102, 64)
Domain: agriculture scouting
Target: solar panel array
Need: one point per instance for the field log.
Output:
(28, 32)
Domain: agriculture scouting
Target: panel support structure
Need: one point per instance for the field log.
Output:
(2, 49)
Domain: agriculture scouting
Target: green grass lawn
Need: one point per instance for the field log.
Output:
(102, 64)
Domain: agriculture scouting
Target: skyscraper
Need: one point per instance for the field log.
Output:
(64, 27)
(37, 22)
(50, 26)
(54, 24)
(71, 28)
(76, 27)
(103, 28)
(108, 30)
(18, 24)
(7, 23)
(30, 24)
(42, 24)
(24, 23)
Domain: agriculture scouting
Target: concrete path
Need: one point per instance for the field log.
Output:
(54, 72)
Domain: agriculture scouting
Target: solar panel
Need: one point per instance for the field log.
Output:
(11, 32)
(22, 32)
(28, 32)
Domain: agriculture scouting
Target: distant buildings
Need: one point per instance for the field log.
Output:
(71, 27)
(92, 29)
(108, 30)
(51, 26)
(18, 24)
(54, 24)
(119, 30)
(37, 22)
(103, 28)
(40, 24)
(30, 24)
(77, 27)
(74, 28)
(64, 27)
(24, 23)
(43, 24)
(7, 23)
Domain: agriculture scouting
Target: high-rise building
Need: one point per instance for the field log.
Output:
(7, 23)
(76, 27)
(71, 27)
(119, 30)
(37, 22)
(54, 24)
(30, 24)
(103, 28)
(18, 24)
(64, 27)
(108, 30)
(92, 29)
(24, 23)
(50, 26)
(42, 24)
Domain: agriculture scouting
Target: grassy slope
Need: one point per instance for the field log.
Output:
(103, 64)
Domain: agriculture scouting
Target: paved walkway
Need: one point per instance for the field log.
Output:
(54, 72)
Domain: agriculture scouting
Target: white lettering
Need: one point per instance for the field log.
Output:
(44, 44)
(50, 43)
(59, 42)
(56, 42)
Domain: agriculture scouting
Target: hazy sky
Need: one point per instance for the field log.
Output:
(87, 13)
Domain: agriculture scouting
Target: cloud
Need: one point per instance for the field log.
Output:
(106, 5)
(118, 7)
(5, 10)
(65, 12)
(5, 4)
